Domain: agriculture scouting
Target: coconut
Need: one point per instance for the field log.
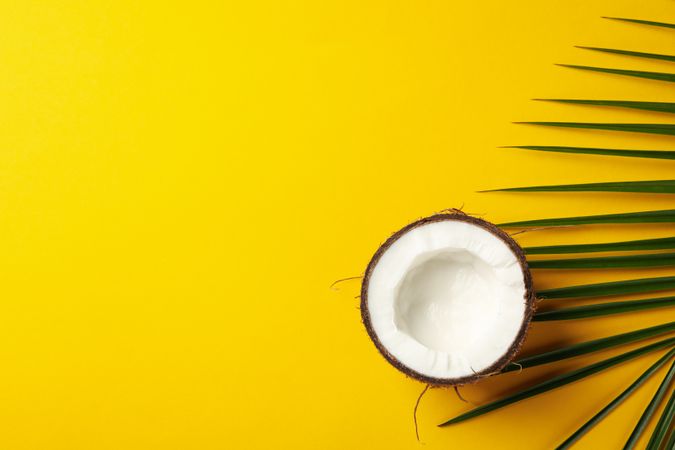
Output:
(448, 299)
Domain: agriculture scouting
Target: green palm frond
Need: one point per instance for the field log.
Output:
(658, 76)
(663, 425)
(617, 401)
(630, 53)
(657, 216)
(651, 187)
(643, 22)
(671, 440)
(560, 380)
(648, 128)
(603, 309)
(642, 244)
(608, 289)
(607, 262)
(656, 400)
(584, 348)
(664, 107)
(653, 154)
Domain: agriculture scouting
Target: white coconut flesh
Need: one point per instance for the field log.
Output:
(447, 299)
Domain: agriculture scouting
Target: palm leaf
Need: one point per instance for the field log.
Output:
(617, 401)
(643, 22)
(602, 262)
(663, 425)
(649, 128)
(642, 244)
(559, 381)
(612, 288)
(630, 53)
(655, 154)
(658, 216)
(651, 408)
(651, 187)
(589, 347)
(659, 76)
(603, 309)
(607, 262)
(664, 107)
(671, 440)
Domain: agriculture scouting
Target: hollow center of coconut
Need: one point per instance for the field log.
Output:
(448, 300)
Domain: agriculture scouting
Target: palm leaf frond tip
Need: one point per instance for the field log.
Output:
(659, 56)
(648, 128)
(651, 187)
(651, 154)
(643, 22)
(658, 76)
(664, 107)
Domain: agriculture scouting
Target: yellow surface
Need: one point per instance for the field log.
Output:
(180, 183)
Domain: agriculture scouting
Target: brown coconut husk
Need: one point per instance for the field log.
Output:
(529, 298)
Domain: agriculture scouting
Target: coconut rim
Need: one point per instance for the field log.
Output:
(529, 297)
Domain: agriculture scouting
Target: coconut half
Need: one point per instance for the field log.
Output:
(448, 299)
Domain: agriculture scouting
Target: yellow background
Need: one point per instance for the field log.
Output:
(181, 182)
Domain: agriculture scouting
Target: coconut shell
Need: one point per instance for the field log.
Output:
(529, 299)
